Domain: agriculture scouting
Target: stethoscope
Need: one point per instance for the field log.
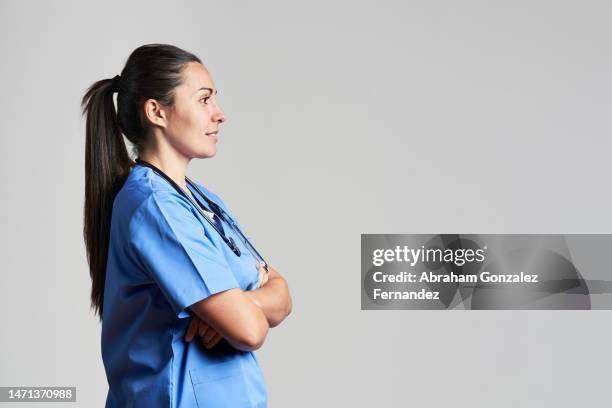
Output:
(216, 209)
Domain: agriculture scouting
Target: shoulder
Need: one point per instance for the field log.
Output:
(144, 191)
(142, 181)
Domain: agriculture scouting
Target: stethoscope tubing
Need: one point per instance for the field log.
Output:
(220, 212)
(217, 210)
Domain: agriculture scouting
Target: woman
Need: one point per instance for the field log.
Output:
(163, 270)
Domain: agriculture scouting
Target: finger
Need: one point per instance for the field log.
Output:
(262, 271)
(202, 328)
(266, 277)
(259, 280)
(212, 342)
(260, 274)
(263, 277)
(191, 330)
(209, 334)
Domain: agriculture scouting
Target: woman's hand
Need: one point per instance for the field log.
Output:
(264, 275)
(209, 336)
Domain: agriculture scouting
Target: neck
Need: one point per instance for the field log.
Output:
(171, 163)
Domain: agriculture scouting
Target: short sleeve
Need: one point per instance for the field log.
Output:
(171, 243)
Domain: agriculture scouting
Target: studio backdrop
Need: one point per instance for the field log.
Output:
(347, 123)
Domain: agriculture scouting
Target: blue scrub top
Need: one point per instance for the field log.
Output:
(162, 258)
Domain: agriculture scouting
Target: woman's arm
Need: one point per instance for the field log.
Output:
(273, 298)
(235, 317)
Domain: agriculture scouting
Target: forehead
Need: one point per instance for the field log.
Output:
(195, 76)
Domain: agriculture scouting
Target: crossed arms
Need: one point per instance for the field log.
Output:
(242, 317)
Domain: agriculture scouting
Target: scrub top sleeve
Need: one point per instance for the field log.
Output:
(175, 250)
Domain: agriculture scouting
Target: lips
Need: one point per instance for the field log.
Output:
(213, 135)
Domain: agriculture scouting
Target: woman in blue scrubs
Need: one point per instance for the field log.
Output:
(182, 310)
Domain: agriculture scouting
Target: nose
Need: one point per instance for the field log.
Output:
(222, 117)
(218, 115)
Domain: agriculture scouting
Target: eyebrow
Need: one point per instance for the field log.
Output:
(205, 89)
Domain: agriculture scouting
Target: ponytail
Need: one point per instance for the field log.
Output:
(151, 71)
(107, 165)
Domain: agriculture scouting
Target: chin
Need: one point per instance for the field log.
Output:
(206, 154)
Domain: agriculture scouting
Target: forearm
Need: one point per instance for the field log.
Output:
(273, 299)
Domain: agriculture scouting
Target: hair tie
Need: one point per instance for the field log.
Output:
(115, 86)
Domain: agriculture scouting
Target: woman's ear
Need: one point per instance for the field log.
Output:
(155, 113)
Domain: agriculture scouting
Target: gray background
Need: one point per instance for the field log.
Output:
(343, 118)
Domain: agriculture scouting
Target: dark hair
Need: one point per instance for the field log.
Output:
(151, 72)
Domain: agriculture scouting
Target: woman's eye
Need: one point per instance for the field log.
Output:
(205, 99)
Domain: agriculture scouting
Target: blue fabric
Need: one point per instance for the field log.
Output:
(212, 216)
(162, 258)
(218, 223)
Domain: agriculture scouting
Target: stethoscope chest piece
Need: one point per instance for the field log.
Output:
(234, 247)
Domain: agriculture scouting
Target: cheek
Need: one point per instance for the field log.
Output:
(178, 122)
(197, 119)
(186, 122)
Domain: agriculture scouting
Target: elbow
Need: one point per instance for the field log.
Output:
(288, 303)
(254, 339)
(280, 316)
(289, 307)
(255, 345)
